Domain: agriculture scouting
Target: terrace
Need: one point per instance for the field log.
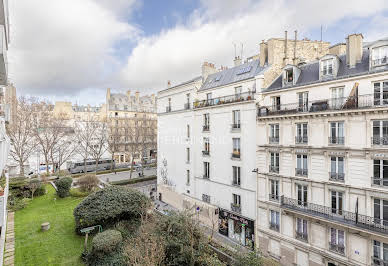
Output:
(239, 97)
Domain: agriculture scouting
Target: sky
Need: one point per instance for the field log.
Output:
(72, 50)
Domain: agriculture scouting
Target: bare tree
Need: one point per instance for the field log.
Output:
(22, 132)
(98, 145)
(114, 127)
(63, 149)
(133, 135)
(148, 135)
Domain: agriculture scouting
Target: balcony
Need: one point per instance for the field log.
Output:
(274, 226)
(301, 171)
(206, 128)
(377, 181)
(301, 140)
(186, 106)
(236, 127)
(206, 198)
(337, 177)
(377, 140)
(205, 153)
(241, 97)
(274, 197)
(168, 109)
(380, 61)
(332, 104)
(301, 236)
(274, 169)
(337, 140)
(236, 154)
(274, 140)
(379, 262)
(338, 248)
(235, 207)
(346, 218)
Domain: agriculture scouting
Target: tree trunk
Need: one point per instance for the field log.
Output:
(21, 168)
(96, 166)
(111, 163)
(132, 161)
(47, 164)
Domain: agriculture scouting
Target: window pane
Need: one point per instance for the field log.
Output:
(341, 238)
(340, 165)
(333, 236)
(376, 207)
(333, 164)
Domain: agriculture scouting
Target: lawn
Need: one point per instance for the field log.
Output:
(58, 246)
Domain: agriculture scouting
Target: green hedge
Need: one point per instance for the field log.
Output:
(106, 241)
(133, 181)
(63, 186)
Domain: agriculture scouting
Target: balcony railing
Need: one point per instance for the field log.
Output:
(382, 182)
(343, 217)
(168, 109)
(273, 197)
(301, 139)
(236, 183)
(339, 177)
(301, 171)
(206, 128)
(241, 97)
(274, 226)
(337, 140)
(380, 61)
(274, 140)
(379, 262)
(379, 140)
(235, 207)
(186, 106)
(274, 169)
(301, 235)
(236, 154)
(206, 153)
(345, 103)
(338, 248)
(236, 126)
(206, 198)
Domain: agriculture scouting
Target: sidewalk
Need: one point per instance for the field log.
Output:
(10, 241)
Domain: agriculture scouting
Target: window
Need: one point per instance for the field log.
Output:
(274, 133)
(276, 103)
(380, 95)
(236, 175)
(188, 98)
(236, 148)
(379, 55)
(380, 211)
(206, 122)
(274, 222)
(274, 164)
(168, 109)
(301, 165)
(188, 177)
(289, 75)
(188, 155)
(303, 101)
(327, 66)
(337, 133)
(236, 200)
(301, 229)
(337, 240)
(206, 150)
(302, 194)
(209, 98)
(336, 202)
(206, 198)
(380, 172)
(236, 119)
(337, 97)
(237, 91)
(380, 132)
(301, 133)
(188, 131)
(274, 187)
(337, 168)
(206, 170)
(380, 253)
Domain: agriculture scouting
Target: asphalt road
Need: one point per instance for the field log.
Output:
(125, 175)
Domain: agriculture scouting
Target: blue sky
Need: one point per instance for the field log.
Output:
(140, 44)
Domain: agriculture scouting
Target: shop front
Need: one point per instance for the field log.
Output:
(237, 228)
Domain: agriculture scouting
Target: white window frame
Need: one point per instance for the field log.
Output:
(274, 132)
(302, 163)
(379, 247)
(339, 196)
(236, 199)
(274, 218)
(236, 118)
(188, 177)
(275, 160)
(337, 129)
(274, 189)
(187, 155)
(303, 199)
(380, 93)
(327, 66)
(302, 132)
(302, 226)
(337, 237)
(236, 172)
(381, 219)
(206, 169)
(303, 101)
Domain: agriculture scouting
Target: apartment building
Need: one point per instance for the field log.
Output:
(207, 136)
(322, 149)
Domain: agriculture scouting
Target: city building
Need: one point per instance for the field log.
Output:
(322, 149)
(207, 136)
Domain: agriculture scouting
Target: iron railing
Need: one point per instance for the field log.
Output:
(273, 197)
(206, 128)
(382, 182)
(301, 139)
(334, 176)
(301, 235)
(240, 97)
(343, 217)
(236, 126)
(205, 152)
(343, 103)
(337, 140)
(380, 61)
(379, 262)
(274, 140)
(235, 208)
(206, 198)
(338, 248)
(274, 169)
(377, 140)
(301, 171)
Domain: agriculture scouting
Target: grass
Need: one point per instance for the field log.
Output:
(58, 246)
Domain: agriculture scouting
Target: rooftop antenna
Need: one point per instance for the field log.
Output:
(242, 49)
(235, 53)
(321, 37)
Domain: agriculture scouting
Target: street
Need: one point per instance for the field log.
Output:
(125, 175)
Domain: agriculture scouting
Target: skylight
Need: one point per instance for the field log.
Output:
(244, 70)
(218, 78)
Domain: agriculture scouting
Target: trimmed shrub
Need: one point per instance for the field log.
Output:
(88, 183)
(110, 205)
(133, 180)
(75, 192)
(15, 204)
(40, 191)
(106, 242)
(63, 186)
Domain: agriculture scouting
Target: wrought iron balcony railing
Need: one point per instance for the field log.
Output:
(301, 171)
(380, 61)
(206, 128)
(337, 140)
(274, 140)
(301, 235)
(338, 248)
(274, 169)
(344, 217)
(377, 140)
(379, 262)
(235, 207)
(206, 153)
(236, 126)
(206, 198)
(240, 97)
(301, 139)
(273, 197)
(339, 177)
(377, 181)
(274, 226)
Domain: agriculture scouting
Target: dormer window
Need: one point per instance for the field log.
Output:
(380, 56)
(327, 66)
(289, 75)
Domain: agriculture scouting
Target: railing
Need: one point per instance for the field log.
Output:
(344, 217)
(344, 103)
(206, 128)
(274, 226)
(301, 139)
(186, 106)
(206, 198)
(301, 171)
(235, 183)
(382, 182)
(235, 208)
(338, 248)
(301, 236)
(334, 176)
(246, 96)
(236, 126)
(273, 197)
(379, 262)
(206, 153)
(168, 109)
(236, 154)
(337, 140)
(274, 140)
(380, 61)
(379, 140)
(273, 169)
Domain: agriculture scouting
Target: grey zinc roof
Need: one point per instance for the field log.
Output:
(183, 83)
(229, 76)
(310, 72)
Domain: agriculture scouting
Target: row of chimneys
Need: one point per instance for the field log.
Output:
(128, 93)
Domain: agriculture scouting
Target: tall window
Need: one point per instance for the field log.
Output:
(302, 194)
(337, 240)
(206, 122)
(336, 202)
(236, 119)
(380, 211)
(236, 175)
(301, 229)
(380, 93)
(337, 97)
(274, 222)
(274, 163)
(337, 172)
(301, 165)
(337, 133)
(169, 105)
(380, 172)
(380, 253)
(188, 155)
(327, 66)
(380, 56)
(188, 177)
(208, 97)
(236, 148)
(303, 101)
(236, 200)
(188, 98)
(301, 133)
(274, 133)
(274, 187)
(380, 132)
(188, 131)
(276, 103)
(206, 170)
(237, 91)
(206, 143)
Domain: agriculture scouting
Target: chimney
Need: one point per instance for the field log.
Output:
(169, 84)
(137, 96)
(153, 98)
(128, 94)
(108, 94)
(285, 48)
(263, 53)
(338, 49)
(237, 61)
(295, 42)
(207, 69)
(354, 49)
